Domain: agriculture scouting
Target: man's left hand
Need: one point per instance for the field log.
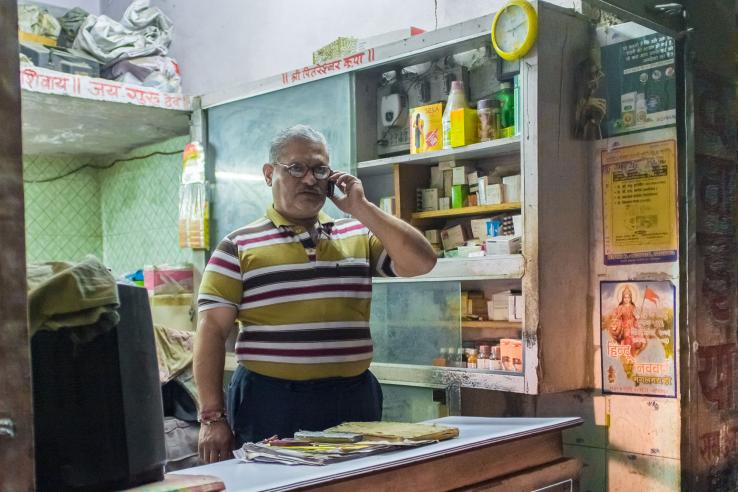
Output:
(353, 192)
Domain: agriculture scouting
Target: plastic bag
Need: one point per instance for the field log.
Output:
(144, 31)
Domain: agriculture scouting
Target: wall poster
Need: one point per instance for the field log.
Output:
(639, 78)
(638, 337)
(639, 203)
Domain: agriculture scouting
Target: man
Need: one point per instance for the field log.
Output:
(299, 285)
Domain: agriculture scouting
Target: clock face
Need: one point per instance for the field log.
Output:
(511, 29)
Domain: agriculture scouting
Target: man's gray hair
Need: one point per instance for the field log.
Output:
(297, 132)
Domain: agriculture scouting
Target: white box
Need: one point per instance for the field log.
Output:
(459, 175)
(436, 178)
(518, 224)
(515, 308)
(448, 182)
(387, 204)
(497, 308)
(479, 228)
(471, 178)
(512, 188)
(429, 199)
(433, 236)
(482, 183)
(502, 245)
(494, 194)
(444, 203)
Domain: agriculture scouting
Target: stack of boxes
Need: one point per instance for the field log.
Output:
(502, 354)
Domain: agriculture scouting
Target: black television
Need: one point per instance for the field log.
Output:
(98, 414)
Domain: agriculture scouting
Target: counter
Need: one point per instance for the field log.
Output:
(489, 454)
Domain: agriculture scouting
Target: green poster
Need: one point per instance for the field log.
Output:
(640, 79)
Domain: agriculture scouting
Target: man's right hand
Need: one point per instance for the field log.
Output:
(215, 442)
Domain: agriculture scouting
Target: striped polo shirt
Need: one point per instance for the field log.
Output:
(303, 308)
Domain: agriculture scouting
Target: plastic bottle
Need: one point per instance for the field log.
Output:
(462, 357)
(471, 360)
(441, 359)
(456, 100)
(506, 96)
(488, 111)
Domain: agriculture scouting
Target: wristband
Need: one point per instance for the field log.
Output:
(209, 417)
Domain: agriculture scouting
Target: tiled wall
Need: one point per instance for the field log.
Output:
(125, 215)
(63, 216)
(139, 209)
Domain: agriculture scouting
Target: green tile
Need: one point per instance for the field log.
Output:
(127, 214)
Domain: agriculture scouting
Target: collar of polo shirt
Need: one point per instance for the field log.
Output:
(280, 220)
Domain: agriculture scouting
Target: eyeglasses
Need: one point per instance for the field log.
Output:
(299, 170)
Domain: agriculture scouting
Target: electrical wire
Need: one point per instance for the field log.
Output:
(107, 166)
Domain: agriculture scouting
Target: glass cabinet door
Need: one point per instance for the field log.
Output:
(412, 321)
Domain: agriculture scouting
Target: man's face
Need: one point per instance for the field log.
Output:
(298, 198)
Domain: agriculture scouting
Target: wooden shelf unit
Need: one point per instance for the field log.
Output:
(554, 204)
(467, 211)
(492, 324)
(481, 150)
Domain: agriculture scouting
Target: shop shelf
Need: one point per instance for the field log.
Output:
(466, 211)
(492, 148)
(434, 377)
(79, 115)
(492, 324)
(496, 267)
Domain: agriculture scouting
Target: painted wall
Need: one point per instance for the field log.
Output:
(62, 217)
(242, 41)
(125, 215)
(139, 209)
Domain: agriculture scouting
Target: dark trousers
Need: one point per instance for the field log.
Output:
(261, 406)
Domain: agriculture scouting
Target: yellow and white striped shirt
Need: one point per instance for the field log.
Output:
(303, 307)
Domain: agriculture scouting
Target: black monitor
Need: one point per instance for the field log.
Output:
(97, 405)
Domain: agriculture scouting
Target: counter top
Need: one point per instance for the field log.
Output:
(474, 433)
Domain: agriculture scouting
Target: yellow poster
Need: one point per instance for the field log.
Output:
(639, 203)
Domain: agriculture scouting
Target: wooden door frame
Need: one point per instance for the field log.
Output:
(16, 404)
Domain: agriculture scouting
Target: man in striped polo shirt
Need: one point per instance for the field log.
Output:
(298, 283)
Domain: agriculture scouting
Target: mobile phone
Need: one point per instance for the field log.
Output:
(331, 189)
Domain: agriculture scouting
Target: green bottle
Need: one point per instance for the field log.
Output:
(506, 97)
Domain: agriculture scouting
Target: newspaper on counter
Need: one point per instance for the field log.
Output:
(316, 453)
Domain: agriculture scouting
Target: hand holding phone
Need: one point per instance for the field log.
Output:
(331, 189)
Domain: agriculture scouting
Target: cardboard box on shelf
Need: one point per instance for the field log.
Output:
(515, 307)
(512, 188)
(494, 194)
(472, 178)
(502, 245)
(387, 204)
(453, 237)
(511, 354)
(458, 176)
(444, 203)
(518, 224)
(482, 182)
(449, 163)
(459, 194)
(464, 123)
(476, 304)
(433, 236)
(427, 199)
(479, 228)
(448, 182)
(497, 307)
(436, 178)
(426, 128)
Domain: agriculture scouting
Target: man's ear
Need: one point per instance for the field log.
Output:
(268, 170)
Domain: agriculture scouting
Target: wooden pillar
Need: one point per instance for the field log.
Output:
(709, 368)
(16, 415)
